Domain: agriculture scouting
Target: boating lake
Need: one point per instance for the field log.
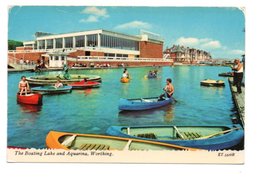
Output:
(94, 110)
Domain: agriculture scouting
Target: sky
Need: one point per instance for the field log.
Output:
(218, 30)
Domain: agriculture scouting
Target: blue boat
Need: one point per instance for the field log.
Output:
(48, 89)
(143, 103)
(204, 137)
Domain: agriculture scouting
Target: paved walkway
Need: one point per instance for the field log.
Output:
(239, 100)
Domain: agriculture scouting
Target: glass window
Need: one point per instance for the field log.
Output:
(49, 43)
(92, 40)
(58, 43)
(56, 57)
(68, 42)
(80, 41)
(41, 44)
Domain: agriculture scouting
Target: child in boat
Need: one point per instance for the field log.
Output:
(58, 84)
(23, 86)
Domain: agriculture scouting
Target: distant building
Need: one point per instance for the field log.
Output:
(91, 44)
(186, 55)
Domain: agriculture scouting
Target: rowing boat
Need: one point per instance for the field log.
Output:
(40, 80)
(212, 83)
(138, 104)
(75, 141)
(51, 89)
(124, 80)
(31, 98)
(83, 84)
(228, 74)
(204, 137)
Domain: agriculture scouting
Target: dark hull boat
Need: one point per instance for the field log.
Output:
(212, 83)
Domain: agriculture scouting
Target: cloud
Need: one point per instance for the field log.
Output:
(95, 14)
(237, 52)
(91, 18)
(202, 43)
(134, 24)
(99, 12)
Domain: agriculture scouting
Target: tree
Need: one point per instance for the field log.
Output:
(12, 44)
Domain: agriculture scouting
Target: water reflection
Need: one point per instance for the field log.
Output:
(26, 108)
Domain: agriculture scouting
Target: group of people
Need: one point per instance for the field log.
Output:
(152, 73)
(24, 87)
(168, 89)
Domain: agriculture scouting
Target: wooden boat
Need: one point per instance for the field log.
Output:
(124, 80)
(204, 137)
(51, 89)
(83, 84)
(40, 80)
(228, 74)
(143, 103)
(212, 83)
(75, 141)
(31, 98)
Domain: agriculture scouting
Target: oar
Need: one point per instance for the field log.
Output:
(177, 131)
(127, 145)
(215, 134)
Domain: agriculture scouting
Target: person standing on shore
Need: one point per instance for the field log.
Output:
(238, 74)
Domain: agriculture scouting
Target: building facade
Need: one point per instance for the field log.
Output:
(186, 55)
(89, 44)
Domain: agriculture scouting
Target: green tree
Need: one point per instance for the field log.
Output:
(12, 44)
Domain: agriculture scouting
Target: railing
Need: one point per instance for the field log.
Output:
(106, 58)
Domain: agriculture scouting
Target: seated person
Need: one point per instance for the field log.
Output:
(58, 84)
(169, 90)
(23, 86)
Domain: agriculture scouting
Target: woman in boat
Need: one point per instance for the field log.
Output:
(58, 84)
(125, 74)
(23, 86)
(169, 89)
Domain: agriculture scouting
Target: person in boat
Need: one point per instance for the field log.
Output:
(169, 90)
(24, 87)
(125, 73)
(238, 74)
(58, 84)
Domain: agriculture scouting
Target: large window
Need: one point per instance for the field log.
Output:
(119, 43)
(41, 44)
(80, 41)
(58, 43)
(49, 43)
(68, 42)
(92, 40)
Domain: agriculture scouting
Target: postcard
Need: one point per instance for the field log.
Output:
(108, 84)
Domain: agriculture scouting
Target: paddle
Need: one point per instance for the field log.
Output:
(127, 145)
(215, 134)
(177, 130)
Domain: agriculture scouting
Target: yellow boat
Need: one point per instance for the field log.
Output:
(74, 141)
(124, 80)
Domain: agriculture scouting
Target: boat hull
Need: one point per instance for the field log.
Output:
(41, 80)
(32, 99)
(224, 141)
(67, 141)
(213, 83)
(83, 85)
(142, 104)
(52, 89)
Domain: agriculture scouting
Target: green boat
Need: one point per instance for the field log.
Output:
(41, 80)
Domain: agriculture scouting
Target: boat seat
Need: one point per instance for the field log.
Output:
(147, 101)
(147, 135)
(89, 146)
(191, 135)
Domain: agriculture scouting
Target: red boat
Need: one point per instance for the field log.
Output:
(31, 98)
(84, 84)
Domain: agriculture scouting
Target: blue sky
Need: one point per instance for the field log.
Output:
(217, 30)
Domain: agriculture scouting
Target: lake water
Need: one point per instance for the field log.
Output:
(94, 110)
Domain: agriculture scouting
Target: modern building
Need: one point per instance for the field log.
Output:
(186, 55)
(58, 48)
